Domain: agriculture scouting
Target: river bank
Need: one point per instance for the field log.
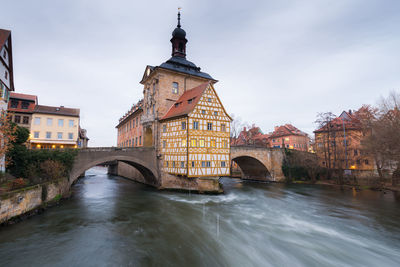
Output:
(25, 202)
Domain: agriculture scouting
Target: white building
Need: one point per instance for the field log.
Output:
(6, 74)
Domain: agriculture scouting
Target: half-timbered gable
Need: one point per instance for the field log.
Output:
(196, 130)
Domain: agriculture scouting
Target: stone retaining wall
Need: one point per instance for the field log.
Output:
(27, 199)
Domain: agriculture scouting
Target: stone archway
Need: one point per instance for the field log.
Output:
(142, 159)
(148, 137)
(252, 168)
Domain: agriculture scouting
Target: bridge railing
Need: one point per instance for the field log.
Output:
(113, 148)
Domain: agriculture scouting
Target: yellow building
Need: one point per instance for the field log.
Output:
(54, 127)
(195, 135)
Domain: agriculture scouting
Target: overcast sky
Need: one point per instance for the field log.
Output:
(276, 61)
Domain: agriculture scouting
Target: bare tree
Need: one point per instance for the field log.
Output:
(324, 145)
(383, 142)
(236, 128)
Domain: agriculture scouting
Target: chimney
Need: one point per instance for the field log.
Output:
(350, 111)
(276, 128)
(244, 129)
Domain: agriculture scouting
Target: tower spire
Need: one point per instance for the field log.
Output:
(179, 39)
(179, 17)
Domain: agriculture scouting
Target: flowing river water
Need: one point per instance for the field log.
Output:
(111, 221)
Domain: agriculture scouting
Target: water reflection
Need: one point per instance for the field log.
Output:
(113, 221)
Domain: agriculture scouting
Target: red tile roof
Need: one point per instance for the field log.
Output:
(183, 106)
(286, 130)
(24, 97)
(349, 119)
(4, 34)
(57, 110)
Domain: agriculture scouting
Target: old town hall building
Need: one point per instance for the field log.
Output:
(181, 116)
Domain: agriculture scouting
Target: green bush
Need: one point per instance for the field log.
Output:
(36, 165)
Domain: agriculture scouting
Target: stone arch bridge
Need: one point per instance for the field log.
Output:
(255, 163)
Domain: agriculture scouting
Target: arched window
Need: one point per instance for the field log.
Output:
(175, 88)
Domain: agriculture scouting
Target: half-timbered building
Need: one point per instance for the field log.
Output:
(195, 135)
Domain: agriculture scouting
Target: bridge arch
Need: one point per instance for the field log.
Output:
(142, 159)
(258, 163)
(252, 168)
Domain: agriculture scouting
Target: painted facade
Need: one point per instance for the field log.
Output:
(288, 136)
(338, 144)
(54, 127)
(130, 129)
(195, 141)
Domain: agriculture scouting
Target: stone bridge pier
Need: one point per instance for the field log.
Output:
(259, 163)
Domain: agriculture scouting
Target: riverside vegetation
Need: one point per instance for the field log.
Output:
(27, 167)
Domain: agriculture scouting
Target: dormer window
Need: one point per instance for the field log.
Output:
(6, 75)
(190, 101)
(25, 105)
(14, 103)
(5, 54)
(175, 88)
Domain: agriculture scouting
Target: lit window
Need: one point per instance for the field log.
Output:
(212, 143)
(49, 121)
(193, 143)
(201, 143)
(48, 135)
(183, 125)
(36, 134)
(195, 125)
(223, 164)
(223, 128)
(61, 122)
(70, 136)
(225, 144)
(59, 135)
(183, 142)
(175, 88)
(209, 126)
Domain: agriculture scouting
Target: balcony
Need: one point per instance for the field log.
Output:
(149, 118)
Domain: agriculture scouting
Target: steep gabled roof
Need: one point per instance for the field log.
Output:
(4, 34)
(349, 119)
(187, 102)
(286, 130)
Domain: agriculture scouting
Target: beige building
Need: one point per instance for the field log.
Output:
(54, 127)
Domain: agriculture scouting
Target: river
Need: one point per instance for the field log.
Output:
(111, 221)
